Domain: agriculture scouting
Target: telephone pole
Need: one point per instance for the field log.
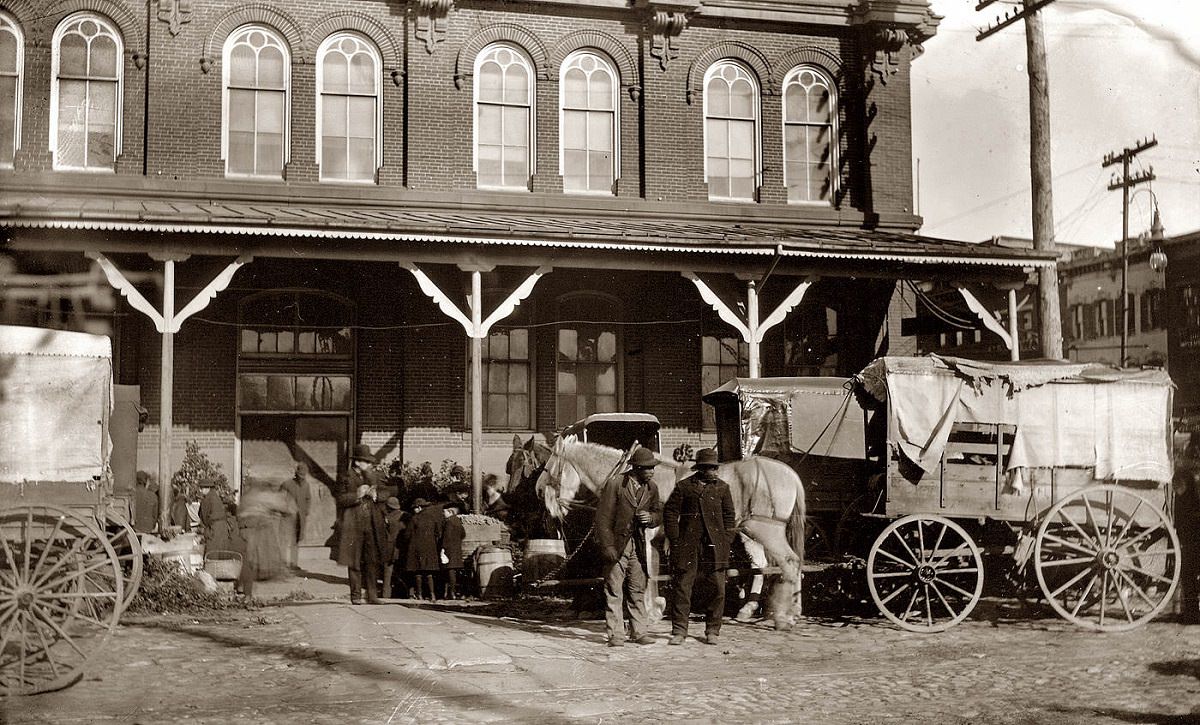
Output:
(1125, 183)
(1039, 162)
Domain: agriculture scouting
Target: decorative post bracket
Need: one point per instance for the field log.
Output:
(989, 321)
(141, 304)
(451, 310)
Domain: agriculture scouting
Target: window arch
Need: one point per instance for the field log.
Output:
(256, 69)
(589, 124)
(503, 118)
(349, 108)
(12, 61)
(86, 93)
(588, 357)
(731, 132)
(809, 135)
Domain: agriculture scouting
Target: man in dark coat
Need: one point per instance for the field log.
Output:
(212, 518)
(361, 529)
(361, 472)
(423, 558)
(629, 505)
(393, 516)
(700, 524)
(145, 505)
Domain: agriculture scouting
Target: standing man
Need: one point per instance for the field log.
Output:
(628, 506)
(700, 523)
(145, 505)
(361, 531)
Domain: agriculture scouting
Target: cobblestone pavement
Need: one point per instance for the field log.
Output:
(332, 663)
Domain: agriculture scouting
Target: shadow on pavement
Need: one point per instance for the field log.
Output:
(1143, 718)
(1187, 668)
(418, 681)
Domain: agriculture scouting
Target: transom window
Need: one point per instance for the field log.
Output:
(503, 118)
(587, 358)
(296, 325)
(731, 136)
(12, 57)
(256, 70)
(349, 109)
(85, 96)
(809, 115)
(589, 124)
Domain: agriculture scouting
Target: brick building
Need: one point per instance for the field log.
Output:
(602, 195)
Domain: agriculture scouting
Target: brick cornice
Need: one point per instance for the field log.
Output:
(729, 49)
(464, 64)
(604, 42)
(133, 32)
(258, 13)
(388, 44)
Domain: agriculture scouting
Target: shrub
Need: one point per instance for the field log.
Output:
(196, 469)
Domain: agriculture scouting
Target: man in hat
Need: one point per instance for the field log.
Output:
(360, 529)
(629, 504)
(393, 517)
(699, 522)
(423, 558)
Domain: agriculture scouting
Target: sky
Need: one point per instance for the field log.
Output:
(1120, 71)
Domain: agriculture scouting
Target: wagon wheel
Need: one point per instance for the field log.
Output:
(1107, 558)
(128, 547)
(925, 573)
(60, 594)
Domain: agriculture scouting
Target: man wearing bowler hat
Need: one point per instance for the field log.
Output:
(629, 505)
(361, 530)
(700, 524)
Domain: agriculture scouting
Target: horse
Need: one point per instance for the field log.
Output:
(768, 499)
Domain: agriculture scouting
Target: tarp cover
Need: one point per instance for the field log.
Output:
(1115, 421)
(55, 399)
(818, 416)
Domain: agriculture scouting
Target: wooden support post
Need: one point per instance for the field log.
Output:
(166, 371)
(477, 391)
(754, 337)
(1014, 350)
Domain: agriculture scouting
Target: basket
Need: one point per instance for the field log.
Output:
(223, 565)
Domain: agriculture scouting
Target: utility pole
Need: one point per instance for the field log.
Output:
(1125, 183)
(1039, 162)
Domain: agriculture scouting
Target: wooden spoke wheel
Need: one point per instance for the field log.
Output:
(128, 548)
(1107, 558)
(61, 590)
(925, 573)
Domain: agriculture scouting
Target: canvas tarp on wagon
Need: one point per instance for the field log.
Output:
(1066, 415)
(55, 399)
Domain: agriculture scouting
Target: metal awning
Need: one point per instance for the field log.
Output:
(608, 233)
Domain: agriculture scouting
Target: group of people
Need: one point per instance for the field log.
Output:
(699, 522)
(385, 549)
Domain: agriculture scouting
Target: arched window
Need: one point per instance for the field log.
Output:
(588, 98)
(349, 109)
(12, 59)
(588, 357)
(256, 72)
(85, 94)
(809, 136)
(731, 135)
(503, 118)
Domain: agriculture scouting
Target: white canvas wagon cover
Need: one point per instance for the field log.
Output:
(55, 399)
(1065, 414)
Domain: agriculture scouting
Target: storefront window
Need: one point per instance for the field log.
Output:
(296, 324)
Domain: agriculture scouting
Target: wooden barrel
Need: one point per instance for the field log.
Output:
(495, 568)
(542, 556)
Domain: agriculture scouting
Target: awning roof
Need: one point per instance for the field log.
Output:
(626, 233)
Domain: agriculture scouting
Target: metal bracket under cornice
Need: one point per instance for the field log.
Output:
(473, 322)
(889, 31)
(431, 21)
(665, 21)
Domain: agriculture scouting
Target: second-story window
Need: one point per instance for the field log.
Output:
(503, 118)
(12, 55)
(85, 96)
(589, 124)
(809, 113)
(731, 137)
(349, 108)
(256, 68)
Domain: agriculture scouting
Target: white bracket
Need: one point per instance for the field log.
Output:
(986, 317)
(451, 310)
(789, 303)
(140, 303)
(718, 305)
(751, 330)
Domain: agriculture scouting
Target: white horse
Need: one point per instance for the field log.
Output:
(768, 500)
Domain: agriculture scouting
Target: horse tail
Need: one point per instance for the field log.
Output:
(795, 525)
